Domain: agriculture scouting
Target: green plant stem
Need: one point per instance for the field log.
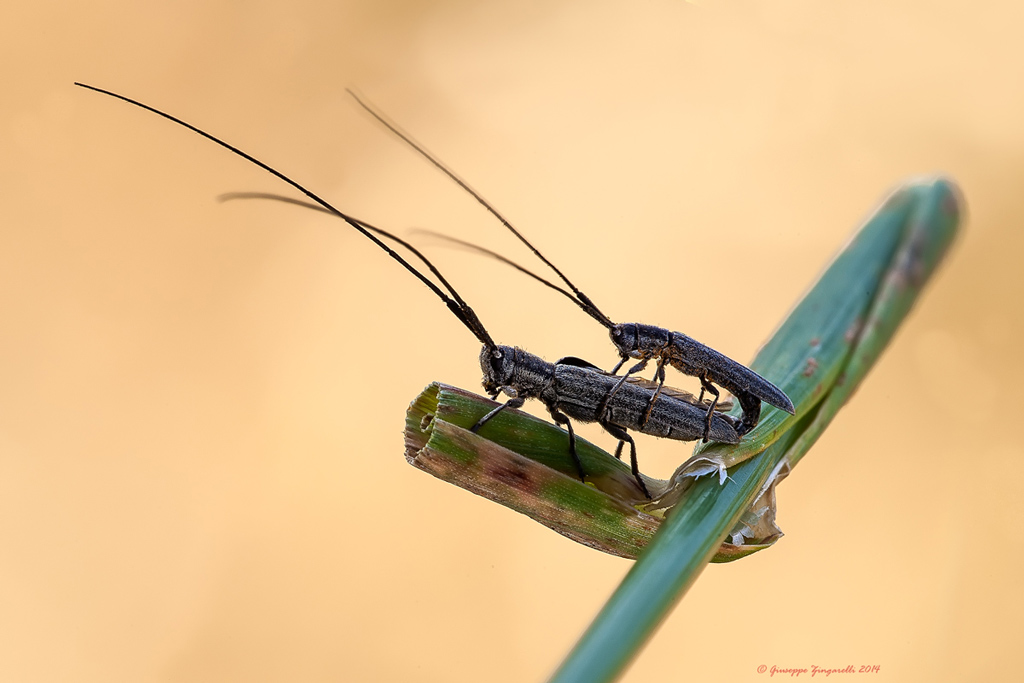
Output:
(893, 256)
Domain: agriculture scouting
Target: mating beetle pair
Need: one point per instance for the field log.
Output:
(573, 389)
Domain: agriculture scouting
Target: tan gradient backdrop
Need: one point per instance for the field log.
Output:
(201, 471)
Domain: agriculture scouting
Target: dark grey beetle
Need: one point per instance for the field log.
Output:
(635, 340)
(570, 388)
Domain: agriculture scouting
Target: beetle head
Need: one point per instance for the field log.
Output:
(625, 338)
(498, 364)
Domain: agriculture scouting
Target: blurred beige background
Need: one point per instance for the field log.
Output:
(201, 471)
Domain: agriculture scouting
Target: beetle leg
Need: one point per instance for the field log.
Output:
(514, 402)
(623, 436)
(706, 384)
(563, 420)
(660, 375)
(602, 407)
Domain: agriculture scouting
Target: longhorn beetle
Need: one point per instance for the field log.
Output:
(569, 388)
(636, 340)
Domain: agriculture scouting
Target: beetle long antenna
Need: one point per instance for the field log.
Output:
(229, 196)
(582, 298)
(589, 310)
(455, 303)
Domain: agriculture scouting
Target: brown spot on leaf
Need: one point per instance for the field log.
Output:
(811, 367)
(853, 331)
(951, 204)
(510, 475)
